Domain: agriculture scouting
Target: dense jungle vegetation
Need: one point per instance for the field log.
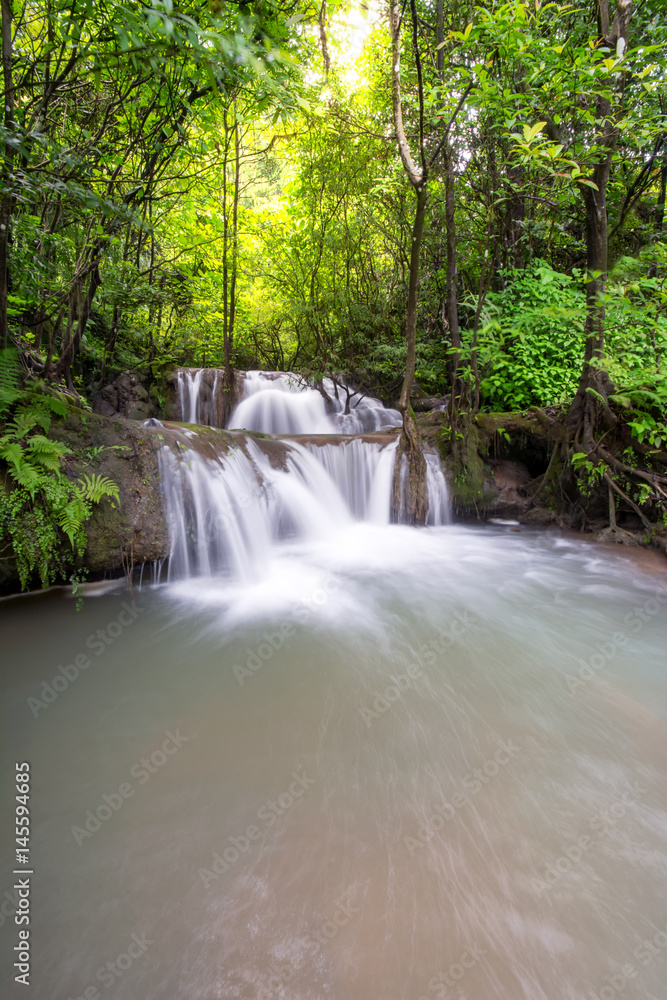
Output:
(220, 184)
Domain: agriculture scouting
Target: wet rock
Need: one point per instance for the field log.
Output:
(126, 397)
(126, 452)
(510, 479)
(427, 403)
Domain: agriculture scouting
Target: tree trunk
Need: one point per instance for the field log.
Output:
(225, 250)
(73, 340)
(411, 503)
(662, 197)
(451, 290)
(593, 386)
(8, 162)
(410, 495)
(229, 381)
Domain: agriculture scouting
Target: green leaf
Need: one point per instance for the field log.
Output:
(530, 133)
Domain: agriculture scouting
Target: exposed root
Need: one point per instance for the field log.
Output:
(410, 505)
(624, 496)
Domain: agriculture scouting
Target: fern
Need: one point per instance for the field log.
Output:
(39, 503)
(28, 476)
(9, 379)
(73, 516)
(95, 487)
(11, 451)
(23, 424)
(47, 453)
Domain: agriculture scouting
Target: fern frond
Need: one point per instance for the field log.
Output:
(28, 476)
(23, 424)
(95, 487)
(9, 379)
(11, 451)
(56, 405)
(72, 517)
(46, 453)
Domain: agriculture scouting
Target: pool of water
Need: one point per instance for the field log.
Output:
(399, 764)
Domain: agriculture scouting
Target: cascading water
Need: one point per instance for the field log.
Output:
(227, 513)
(228, 509)
(267, 408)
(283, 403)
(189, 386)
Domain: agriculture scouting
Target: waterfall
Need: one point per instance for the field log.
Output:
(198, 395)
(189, 389)
(230, 505)
(362, 472)
(282, 403)
(278, 411)
(285, 403)
(227, 511)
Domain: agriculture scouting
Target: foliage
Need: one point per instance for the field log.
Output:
(38, 500)
(532, 344)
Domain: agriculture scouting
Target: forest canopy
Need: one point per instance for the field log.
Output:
(176, 175)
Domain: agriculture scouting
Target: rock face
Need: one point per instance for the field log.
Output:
(499, 456)
(426, 403)
(510, 479)
(216, 402)
(126, 397)
(126, 452)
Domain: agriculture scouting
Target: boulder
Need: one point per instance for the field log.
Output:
(126, 397)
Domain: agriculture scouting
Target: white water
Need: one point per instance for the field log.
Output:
(226, 516)
(189, 387)
(285, 403)
(267, 408)
(197, 400)
(228, 512)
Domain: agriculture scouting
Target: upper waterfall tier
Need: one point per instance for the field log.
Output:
(282, 403)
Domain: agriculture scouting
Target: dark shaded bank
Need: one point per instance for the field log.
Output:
(509, 465)
(497, 469)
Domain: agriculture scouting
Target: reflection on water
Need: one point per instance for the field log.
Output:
(398, 764)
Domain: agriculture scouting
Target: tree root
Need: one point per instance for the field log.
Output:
(410, 506)
(653, 478)
(613, 486)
